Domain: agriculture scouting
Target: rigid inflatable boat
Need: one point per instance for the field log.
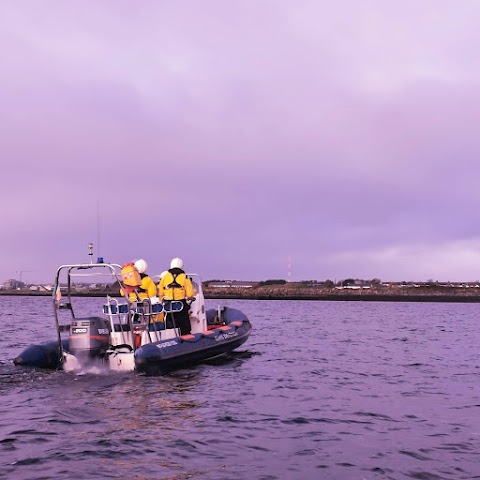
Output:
(133, 336)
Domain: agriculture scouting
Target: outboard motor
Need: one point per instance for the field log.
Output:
(89, 338)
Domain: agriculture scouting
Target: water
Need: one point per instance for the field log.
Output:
(321, 390)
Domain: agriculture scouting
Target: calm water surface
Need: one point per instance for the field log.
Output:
(321, 390)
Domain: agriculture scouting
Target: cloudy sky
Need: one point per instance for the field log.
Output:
(237, 134)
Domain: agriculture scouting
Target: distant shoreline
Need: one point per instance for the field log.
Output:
(379, 294)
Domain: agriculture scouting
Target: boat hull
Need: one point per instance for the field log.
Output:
(186, 350)
(45, 355)
(156, 357)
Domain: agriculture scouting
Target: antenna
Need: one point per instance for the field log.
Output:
(99, 258)
(90, 251)
(98, 227)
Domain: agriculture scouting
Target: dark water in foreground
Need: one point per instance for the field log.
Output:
(321, 390)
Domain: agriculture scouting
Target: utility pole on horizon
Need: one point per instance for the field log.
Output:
(20, 272)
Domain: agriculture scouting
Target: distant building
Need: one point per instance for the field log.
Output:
(231, 283)
(12, 284)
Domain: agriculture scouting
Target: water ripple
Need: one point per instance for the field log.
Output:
(349, 391)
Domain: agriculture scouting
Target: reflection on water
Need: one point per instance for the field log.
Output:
(325, 390)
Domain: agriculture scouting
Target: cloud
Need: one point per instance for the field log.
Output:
(238, 134)
(449, 261)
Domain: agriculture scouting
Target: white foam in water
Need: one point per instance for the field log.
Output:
(92, 369)
(70, 363)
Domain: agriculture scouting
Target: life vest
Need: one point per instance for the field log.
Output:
(131, 280)
(175, 285)
(130, 275)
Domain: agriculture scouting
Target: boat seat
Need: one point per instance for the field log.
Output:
(172, 306)
(114, 309)
(150, 309)
(125, 327)
(152, 327)
(156, 326)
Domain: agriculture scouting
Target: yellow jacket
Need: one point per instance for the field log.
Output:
(146, 289)
(175, 285)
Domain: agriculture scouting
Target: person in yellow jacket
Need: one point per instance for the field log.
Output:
(146, 287)
(140, 288)
(175, 285)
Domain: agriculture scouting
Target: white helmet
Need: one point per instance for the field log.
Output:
(163, 273)
(176, 263)
(141, 265)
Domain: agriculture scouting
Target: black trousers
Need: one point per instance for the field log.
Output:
(181, 319)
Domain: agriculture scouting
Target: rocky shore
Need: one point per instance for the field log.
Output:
(378, 293)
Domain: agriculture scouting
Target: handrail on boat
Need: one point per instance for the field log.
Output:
(114, 271)
(143, 311)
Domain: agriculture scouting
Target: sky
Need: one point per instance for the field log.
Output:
(254, 139)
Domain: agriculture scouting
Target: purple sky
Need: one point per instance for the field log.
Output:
(236, 134)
